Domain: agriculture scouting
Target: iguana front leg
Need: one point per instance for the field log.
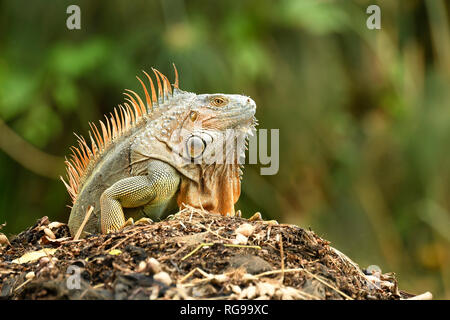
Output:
(155, 189)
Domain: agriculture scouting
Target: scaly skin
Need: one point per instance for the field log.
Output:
(151, 159)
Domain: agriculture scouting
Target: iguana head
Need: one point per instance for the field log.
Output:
(214, 129)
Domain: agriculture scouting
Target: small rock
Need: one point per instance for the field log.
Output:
(245, 229)
(236, 289)
(240, 239)
(30, 275)
(43, 261)
(265, 288)
(252, 264)
(163, 277)
(142, 267)
(154, 265)
(249, 292)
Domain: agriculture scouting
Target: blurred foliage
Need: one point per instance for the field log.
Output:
(364, 115)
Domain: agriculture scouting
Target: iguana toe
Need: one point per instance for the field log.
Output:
(129, 222)
(256, 217)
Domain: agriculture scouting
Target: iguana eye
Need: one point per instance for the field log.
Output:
(219, 101)
(193, 115)
(195, 146)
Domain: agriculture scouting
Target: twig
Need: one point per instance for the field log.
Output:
(241, 246)
(104, 244)
(203, 273)
(72, 241)
(188, 275)
(137, 227)
(268, 273)
(268, 232)
(98, 286)
(282, 258)
(196, 249)
(120, 268)
(85, 220)
(218, 298)
(195, 210)
(23, 283)
(196, 282)
(166, 257)
(124, 239)
(211, 231)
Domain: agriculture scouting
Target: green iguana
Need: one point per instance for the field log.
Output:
(155, 157)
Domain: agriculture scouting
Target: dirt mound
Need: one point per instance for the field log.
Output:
(192, 255)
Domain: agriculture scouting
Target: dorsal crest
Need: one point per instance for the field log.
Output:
(116, 124)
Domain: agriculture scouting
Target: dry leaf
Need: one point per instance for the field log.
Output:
(34, 255)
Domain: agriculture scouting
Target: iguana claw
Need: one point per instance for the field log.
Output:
(256, 217)
(143, 221)
(129, 222)
(140, 222)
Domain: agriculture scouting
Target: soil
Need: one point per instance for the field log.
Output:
(191, 255)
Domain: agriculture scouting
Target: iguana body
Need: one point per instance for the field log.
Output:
(154, 157)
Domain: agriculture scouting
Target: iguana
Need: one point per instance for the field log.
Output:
(156, 156)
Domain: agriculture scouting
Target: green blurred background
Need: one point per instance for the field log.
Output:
(364, 115)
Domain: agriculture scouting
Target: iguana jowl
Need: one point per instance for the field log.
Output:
(144, 158)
